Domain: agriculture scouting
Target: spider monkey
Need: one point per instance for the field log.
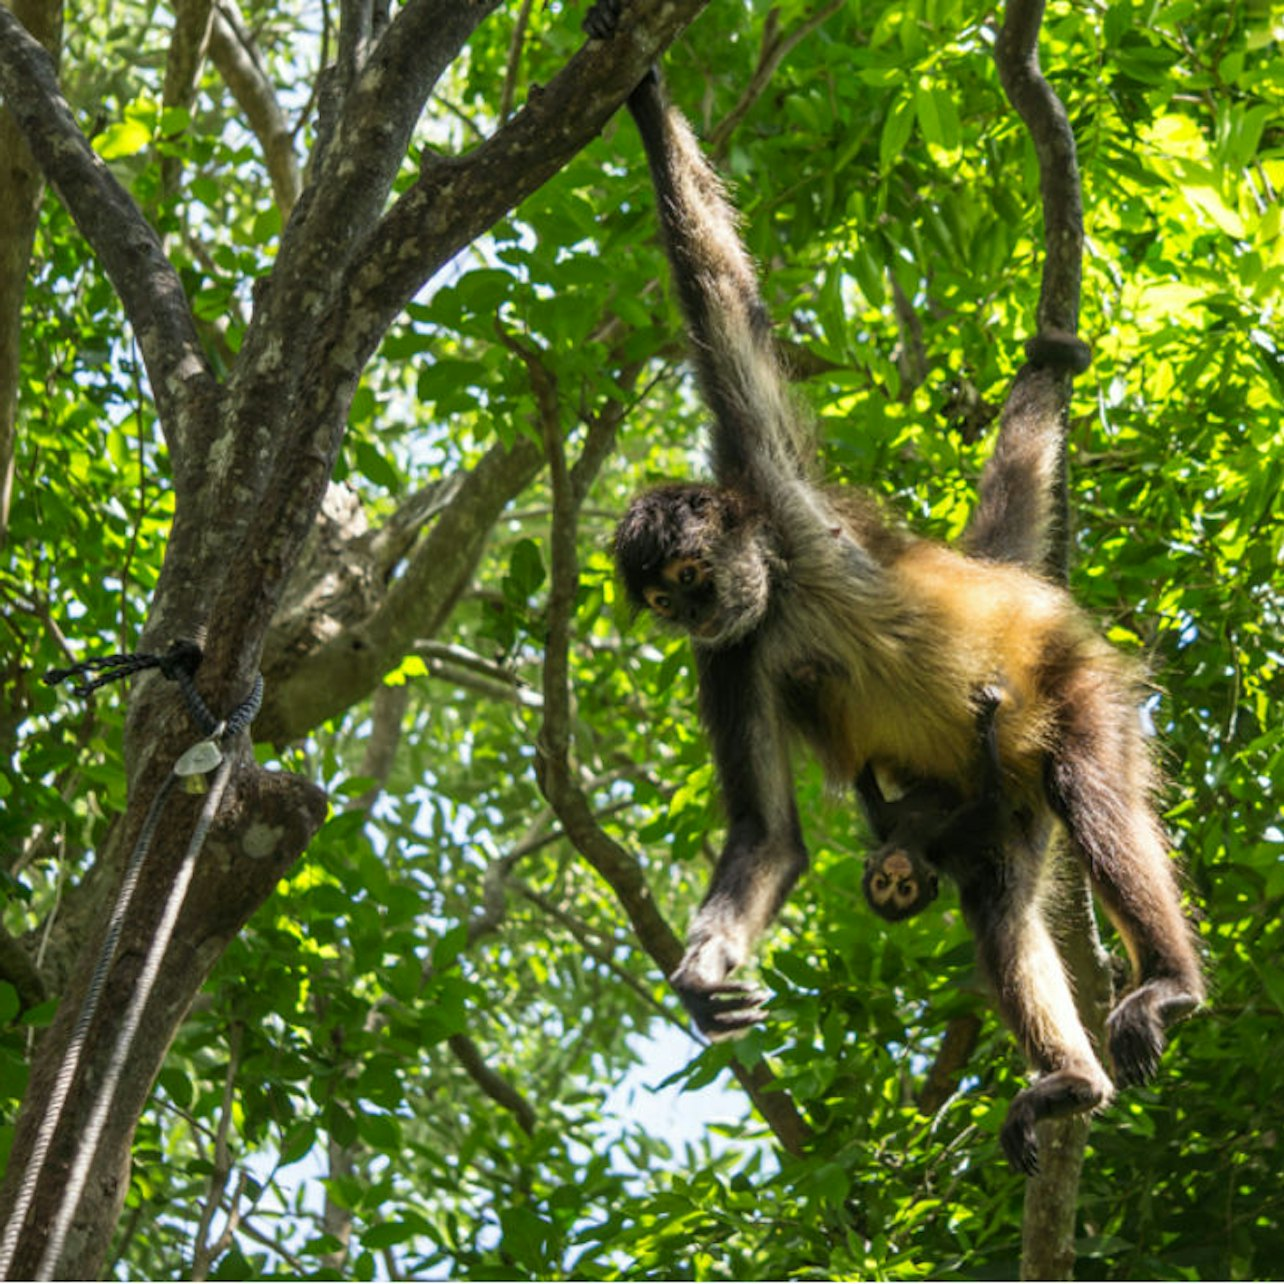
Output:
(813, 617)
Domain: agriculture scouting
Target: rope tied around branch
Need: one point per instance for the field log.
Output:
(178, 664)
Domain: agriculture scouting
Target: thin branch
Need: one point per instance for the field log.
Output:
(491, 1082)
(131, 253)
(510, 691)
(233, 53)
(591, 942)
(221, 1167)
(295, 1264)
(387, 710)
(618, 867)
(514, 60)
(775, 48)
(183, 63)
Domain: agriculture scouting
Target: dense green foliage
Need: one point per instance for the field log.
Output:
(881, 163)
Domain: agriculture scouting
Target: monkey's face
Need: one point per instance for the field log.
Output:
(686, 555)
(685, 595)
(897, 883)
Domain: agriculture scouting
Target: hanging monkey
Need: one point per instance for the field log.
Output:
(814, 618)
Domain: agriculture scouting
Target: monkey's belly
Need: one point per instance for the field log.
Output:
(847, 727)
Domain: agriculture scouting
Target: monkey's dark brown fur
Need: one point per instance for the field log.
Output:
(813, 617)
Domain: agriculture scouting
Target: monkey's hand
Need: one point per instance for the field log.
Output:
(603, 19)
(724, 1010)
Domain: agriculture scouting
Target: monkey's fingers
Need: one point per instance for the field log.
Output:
(603, 19)
(725, 1010)
(1019, 1142)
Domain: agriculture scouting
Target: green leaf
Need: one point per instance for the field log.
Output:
(897, 127)
(123, 138)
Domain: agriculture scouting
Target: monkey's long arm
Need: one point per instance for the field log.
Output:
(764, 852)
(758, 441)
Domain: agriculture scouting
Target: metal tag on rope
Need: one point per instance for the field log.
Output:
(203, 756)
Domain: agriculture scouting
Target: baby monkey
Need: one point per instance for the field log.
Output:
(930, 830)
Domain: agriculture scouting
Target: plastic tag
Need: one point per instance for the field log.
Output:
(203, 756)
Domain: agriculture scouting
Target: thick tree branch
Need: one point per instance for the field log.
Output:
(257, 837)
(129, 250)
(306, 687)
(456, 199)
(252, 466)
(335, 312)
(347, 190)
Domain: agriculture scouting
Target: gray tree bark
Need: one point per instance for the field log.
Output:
(252, 454)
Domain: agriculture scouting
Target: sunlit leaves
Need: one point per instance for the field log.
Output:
(890, 198)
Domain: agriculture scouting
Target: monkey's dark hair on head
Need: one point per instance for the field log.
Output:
(671, 521)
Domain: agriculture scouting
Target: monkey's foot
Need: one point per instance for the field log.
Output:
(1054, 1095)
(722, 1010)
(1136, 1042)
(1136, 1028)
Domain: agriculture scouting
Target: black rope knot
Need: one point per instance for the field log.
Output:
(178, 664)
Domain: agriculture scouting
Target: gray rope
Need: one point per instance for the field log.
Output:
(88, 1144)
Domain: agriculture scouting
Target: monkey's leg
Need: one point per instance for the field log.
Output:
(1119, 838)
(1019, 957)
(1099, 781)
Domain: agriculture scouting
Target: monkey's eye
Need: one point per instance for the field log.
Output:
(660, 602)
(685, 572)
